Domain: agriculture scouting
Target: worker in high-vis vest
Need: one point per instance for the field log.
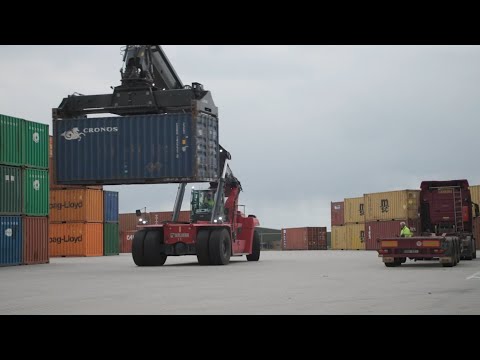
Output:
(405, 232)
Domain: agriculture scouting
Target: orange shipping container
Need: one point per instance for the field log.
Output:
(355, 236)
(76, 205)
(392, 205)
(76, 239)
(354, 210)
(339, 238)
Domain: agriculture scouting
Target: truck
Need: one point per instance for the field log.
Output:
(217, 230)
(446, 227)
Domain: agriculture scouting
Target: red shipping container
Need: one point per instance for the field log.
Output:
(306, 238)
(35, 240)
(161, 216)
(338, 216)
(127, 222)
(381, 229)
(126, 241)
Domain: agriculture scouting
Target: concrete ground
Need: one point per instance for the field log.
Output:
(289, 282)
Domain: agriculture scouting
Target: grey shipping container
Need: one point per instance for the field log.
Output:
(164, 148)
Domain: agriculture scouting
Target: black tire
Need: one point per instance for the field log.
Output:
(152, 250)
(255, 255)
(201, 247)
(390, 264)
(219, 247)
(137, 247)
(403, 260)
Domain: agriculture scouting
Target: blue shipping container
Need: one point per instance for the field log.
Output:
(164, 148)
(110, 206)
(11, 242)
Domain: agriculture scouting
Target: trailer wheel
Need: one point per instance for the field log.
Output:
(390, 264)
(137, 247)
(255, 255)
(201, 247)
(220, 247)
(152, 251)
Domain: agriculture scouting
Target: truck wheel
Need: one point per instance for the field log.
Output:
(152, 250)
(220, 247)
(137, 247)
(255, 255)
(403, 260)
(201, 247)
(390, 264)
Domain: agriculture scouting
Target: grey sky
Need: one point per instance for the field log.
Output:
(306, 125)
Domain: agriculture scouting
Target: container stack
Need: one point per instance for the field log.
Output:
(305, 238)
(385, 211)
(24, 192)
(110, 226)
(76, 222)
(354, 216)
(339, 233)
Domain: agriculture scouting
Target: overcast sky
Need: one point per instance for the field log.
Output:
(306, 125)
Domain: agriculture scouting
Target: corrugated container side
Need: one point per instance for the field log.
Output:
(339, 237)
(392, 205)
(10, 190)
(126, 241)
(354, 210)
(355, 236)
(375, 230)
(110, 239)
(35, 192)
(35, 240)
(294, 239)
(76, 239)
(127, 222)
(161, 148)
(476, 231)
(110, 205)
(160, 216)
(337, 212)
(35, 143)
(475, 193)
(76, 205)
(317, 238)
(11, 240)
(10, 149)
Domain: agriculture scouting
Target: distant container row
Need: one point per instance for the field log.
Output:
(306, 238)
(383, 206)
(364, 236)
(23, 143)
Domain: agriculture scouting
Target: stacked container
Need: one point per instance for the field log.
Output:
(339, 240)
(23, 192)
(385, 211)
(305, 238)
(110, 225)
(354, 216)
(76, 222)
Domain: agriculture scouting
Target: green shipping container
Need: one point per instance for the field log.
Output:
(35, 192)
(10, 149)
(111, 238)
(34, 142)
(10, 190)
